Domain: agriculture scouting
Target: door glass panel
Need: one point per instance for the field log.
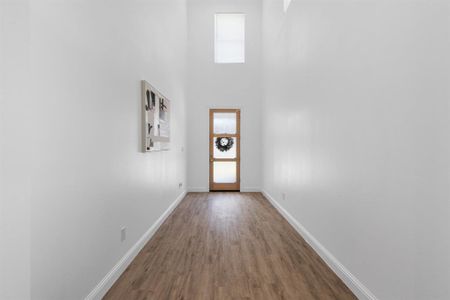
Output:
(224, 172)
(225, 123)
(225, 147)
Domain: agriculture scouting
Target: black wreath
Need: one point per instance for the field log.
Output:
(222, 146)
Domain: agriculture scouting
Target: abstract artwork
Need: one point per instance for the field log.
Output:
(156, 119)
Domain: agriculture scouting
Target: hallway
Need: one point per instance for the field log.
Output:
(119, 121)
(227, 246)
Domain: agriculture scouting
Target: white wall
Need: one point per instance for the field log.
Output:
(80, 134)
(357, 102)
(14, 151)
(213, 85)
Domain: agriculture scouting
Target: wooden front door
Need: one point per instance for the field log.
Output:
(224, 149)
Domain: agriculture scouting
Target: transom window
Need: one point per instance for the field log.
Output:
(229, 45)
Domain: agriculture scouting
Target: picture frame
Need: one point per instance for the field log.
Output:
(156, 110)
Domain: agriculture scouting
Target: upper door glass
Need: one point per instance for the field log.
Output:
(225, 123)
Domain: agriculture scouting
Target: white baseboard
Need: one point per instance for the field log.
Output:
(342, 272)
(106, 283)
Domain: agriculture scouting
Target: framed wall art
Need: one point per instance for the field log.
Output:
(156, 119)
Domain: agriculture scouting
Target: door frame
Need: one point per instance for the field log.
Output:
(225, 186)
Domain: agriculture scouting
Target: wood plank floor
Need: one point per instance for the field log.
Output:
(227, 246)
